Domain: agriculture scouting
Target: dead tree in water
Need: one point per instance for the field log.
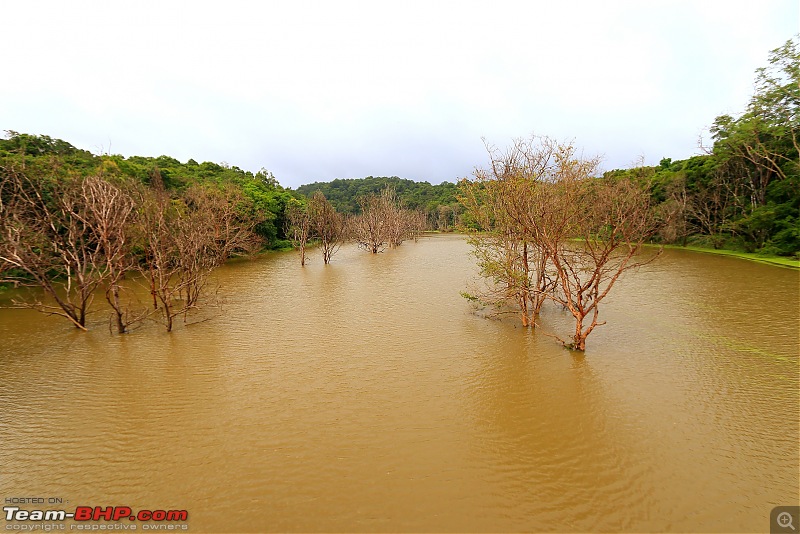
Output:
(607, 221)
(298, 226)
(46, 240)
(185, 239)
(327, 225)
(555, 231)
(383, 222)
(506, 200)
(109, 211)
(370, 227)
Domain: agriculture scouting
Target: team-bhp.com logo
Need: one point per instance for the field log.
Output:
(96, 513)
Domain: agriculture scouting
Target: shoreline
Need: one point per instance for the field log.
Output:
(778, 261)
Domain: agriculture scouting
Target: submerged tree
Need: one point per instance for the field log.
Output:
(383, 221)
(607, 222)
(185, 239)
(507, 201)
(298, 226)
(326, 224)
(554, 231)
(47, 240)
(108, 211)
(369, 228)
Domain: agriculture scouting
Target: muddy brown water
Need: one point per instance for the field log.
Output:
(368, 396)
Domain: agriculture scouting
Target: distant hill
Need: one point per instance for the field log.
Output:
(344, 193)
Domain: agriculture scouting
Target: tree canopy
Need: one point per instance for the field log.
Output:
(268, 198)
(344, 193)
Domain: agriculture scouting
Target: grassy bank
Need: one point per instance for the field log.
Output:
(781, 261)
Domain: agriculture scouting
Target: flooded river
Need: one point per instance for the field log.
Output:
(368, 396)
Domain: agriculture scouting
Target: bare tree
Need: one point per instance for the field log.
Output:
(508, 201)
(46, 241)
(397, 221)
(108, 212)
(370, 228)
(609, 220)
(383, 221)
(418, 223)
(327, 225)
(298, 226)
(554, 231)
(160, 266)
(214, 226)
(185, 240)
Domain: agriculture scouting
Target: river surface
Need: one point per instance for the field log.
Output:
(368, 396)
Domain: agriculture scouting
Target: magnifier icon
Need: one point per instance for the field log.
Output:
(784, 520)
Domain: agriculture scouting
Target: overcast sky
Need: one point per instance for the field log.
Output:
(314, 91)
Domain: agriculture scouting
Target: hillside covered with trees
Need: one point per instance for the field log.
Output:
(72, 221)
(744, 192)
(75, 225)
(438, 202)
(41, 155)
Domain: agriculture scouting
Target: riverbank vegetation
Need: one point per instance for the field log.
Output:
(548, 225)
(70, 235)
(439, 203)
(555, 229)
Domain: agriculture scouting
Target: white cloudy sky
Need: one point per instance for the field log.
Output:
(320, 90)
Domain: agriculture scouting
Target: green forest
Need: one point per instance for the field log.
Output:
(41, 155)
(72, 222)
(344, 194)
(742, 193)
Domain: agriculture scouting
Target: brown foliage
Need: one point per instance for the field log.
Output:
(186, 239)
(555, 231)
(327, 225)
(298, 227)
(50, 237)
(384, 222)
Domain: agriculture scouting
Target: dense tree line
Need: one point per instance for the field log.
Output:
(74, 225)
(744, 192)
(439, 202)
(268, 199)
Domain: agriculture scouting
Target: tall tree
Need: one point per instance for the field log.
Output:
(108, 212)
(327, 225)
(47, 240)
(298, 226)
(759, 149)
(555, 231)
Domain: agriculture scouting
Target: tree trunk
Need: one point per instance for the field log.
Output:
(113, 299)
(578, 339)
